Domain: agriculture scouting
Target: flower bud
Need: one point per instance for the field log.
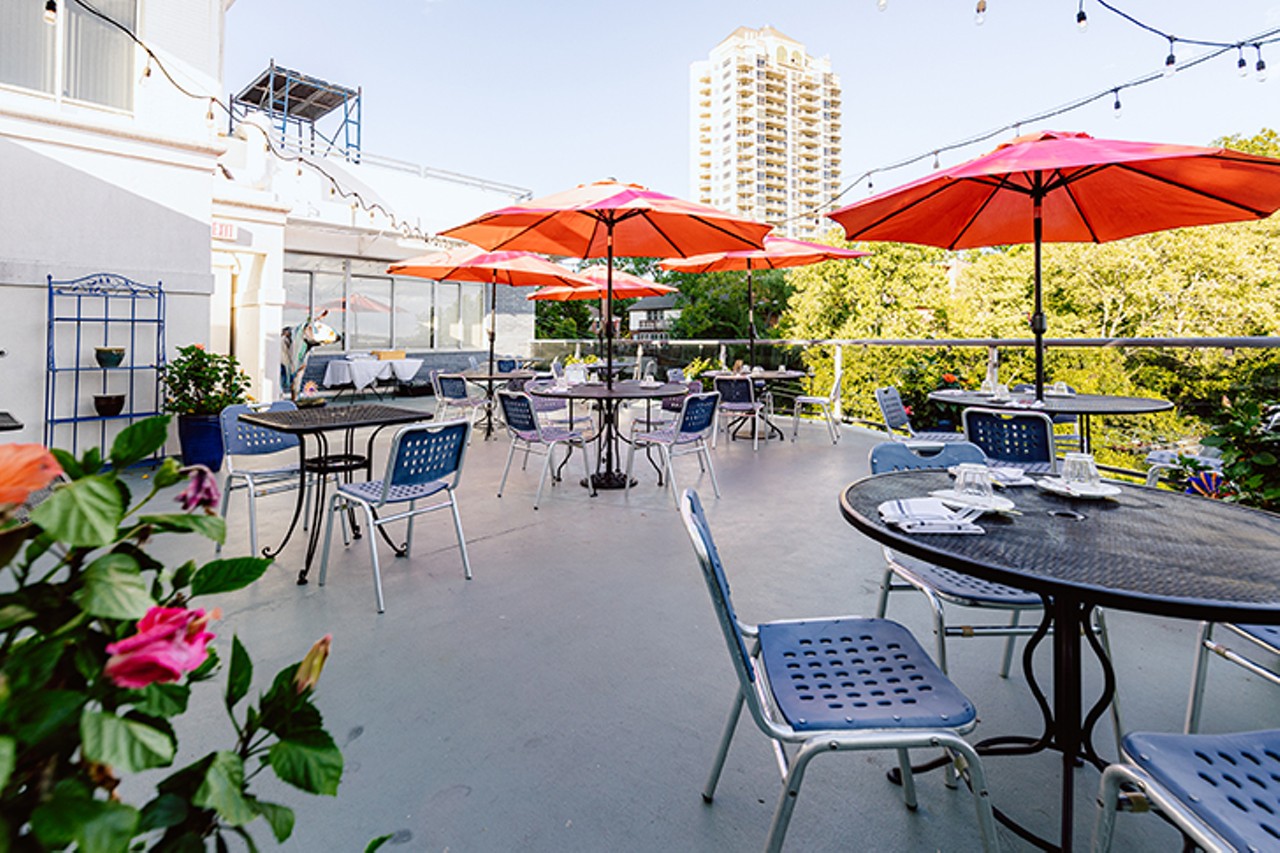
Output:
(309, 670)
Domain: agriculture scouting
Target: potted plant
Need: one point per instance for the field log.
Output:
(198, 385)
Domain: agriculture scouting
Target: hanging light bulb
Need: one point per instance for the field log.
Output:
(980, 12)
(1116, 108)
(1170, 61)
(936, 163)
(146, 73)
(51, 12)
(1082, 20)
(208, 116)
(1261, 67)
(1241, 66)
(882, 4)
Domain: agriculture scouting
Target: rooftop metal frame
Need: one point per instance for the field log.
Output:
(295, 102)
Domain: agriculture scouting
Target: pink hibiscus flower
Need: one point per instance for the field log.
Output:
(170, 641)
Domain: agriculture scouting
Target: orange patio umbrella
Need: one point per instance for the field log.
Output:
(609, 218)
(625, 286)
(778, 253)
(1068, 188)
(517, 269)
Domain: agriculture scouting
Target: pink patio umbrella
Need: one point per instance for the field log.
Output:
(625, 286)
(516, 269)
(778, 253)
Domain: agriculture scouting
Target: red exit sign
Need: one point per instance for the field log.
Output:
(225, 231)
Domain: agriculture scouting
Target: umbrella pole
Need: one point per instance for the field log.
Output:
(1037, 317)
(607, 319)
(751, 320)
(493, 316)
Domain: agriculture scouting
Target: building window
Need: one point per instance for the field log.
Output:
(97, 58)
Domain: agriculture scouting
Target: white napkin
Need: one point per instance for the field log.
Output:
(926, 515)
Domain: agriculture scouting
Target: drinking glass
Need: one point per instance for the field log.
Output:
(974, 481)
(1001, 392)
(1080, 469)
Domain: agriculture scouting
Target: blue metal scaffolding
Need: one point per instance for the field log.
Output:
(294, 103)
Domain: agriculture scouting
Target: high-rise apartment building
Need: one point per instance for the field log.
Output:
(765, 118)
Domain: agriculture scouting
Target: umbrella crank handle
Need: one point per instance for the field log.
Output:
(1038, 323)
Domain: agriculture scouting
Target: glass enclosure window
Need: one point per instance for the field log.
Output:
(373, 311)
(99, 57)
(368, 313)
(26, 47)
(411, 323)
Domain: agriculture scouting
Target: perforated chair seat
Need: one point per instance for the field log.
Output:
(371, 491)
(963, 588)
(1230, 781)
(1266, 635)
(834, 673)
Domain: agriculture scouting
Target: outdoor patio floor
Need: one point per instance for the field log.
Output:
(570, 697)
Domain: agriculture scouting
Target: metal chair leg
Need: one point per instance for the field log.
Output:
(717, 765)
(328, 536)
(370, 526)
(711, 469)
(462, 539)
(908, 779)
(226, 501)
(1009, 644)
(510, 455)
(886, 586)
(1198, 674)
(1108, 800)
(408, 536)
(542, 479)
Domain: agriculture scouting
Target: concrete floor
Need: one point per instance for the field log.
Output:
(570, 696)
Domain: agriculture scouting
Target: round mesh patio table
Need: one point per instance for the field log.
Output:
(1147, 550)
(1083, 405)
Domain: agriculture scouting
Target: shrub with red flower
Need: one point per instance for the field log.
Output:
(99, 646)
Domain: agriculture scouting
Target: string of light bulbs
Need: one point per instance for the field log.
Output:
(1266, 37)
(335, 186)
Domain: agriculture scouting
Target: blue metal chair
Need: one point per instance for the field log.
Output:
(425, 461)
(1242, 640)
(834, 685)
(939, 584)
(528, 434)
(1221, 791)
(1071, 438)
(506, 365)
(897, 422)
(1020, 439)
(242, 440)
(453, 395)
(738, 403)
(686, 434)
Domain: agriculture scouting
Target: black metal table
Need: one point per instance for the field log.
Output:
(8, 422)
(608, 475)
(1149, 551)
(486, 379)
(313, 422)
(1083, 405)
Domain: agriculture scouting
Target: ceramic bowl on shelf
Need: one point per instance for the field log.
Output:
(109, 356)
(108, 405)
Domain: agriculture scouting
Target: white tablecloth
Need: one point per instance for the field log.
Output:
(362, 373)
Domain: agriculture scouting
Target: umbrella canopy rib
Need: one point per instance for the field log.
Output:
(1253, 211)
(991, 197)
(1084, 217)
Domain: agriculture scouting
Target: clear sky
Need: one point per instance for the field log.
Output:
(548, 94)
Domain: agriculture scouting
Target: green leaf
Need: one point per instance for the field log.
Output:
(223, 790)
(126, 744)
(91, 461)
(11, 541)
(8, 759)
(163, 700)
(54, 821)
(14, 614)
(45, 714)
(83, 513)
(139, 441)
(205, 670)
(114, 589)
(109, 829)
(70, 465)
(1264, 458)
(169, 473)
(240, 674)
(163, 812)
(378, 842)
(311, 762)
(228, 575)
(182, 575)
(280, 817)
(208, 526)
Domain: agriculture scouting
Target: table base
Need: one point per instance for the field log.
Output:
(607, 480)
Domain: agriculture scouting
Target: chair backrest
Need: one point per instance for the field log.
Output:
(675, 404)
(897, 456)
(695, 522)
(1020, 438)
(1025, 387)
(697, 415)
(242, 439)
(891, 408)
(736, 389)
(451, 386)
(834, 396)
(675, 374)
(557, 368)
(518, 412)
(517, 383)
(425, 453)
(506, 365)
(475, 363)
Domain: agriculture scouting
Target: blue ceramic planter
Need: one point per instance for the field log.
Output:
(200, 437)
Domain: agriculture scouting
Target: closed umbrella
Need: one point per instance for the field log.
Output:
(1068, 188)
(517, 269)
(778, 253)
